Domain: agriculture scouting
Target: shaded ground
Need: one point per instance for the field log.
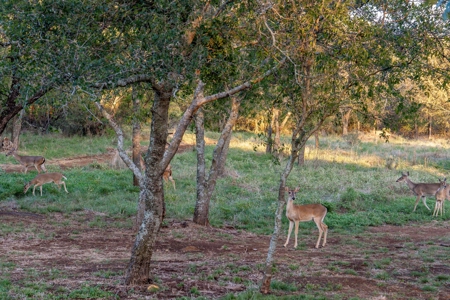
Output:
(388, 262)
(384, 263)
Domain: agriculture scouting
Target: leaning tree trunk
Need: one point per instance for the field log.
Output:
(136, 139)
(152, 195)
(206, 186)
(296, 144)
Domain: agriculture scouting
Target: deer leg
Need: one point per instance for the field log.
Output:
(173, 182)
(34, 187)
(296, 233)
(320, 231)
(424, 200)
(43, 168)
(291, 225)
(435, 208)
(37, 169)
(64, 185)
(417, 201)
(325, 230)
(40, 187)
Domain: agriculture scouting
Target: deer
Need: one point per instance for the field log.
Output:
(28, 161)
(42, 179)
(167, 175)
(305, 213)
(441, 194)
(421, 190)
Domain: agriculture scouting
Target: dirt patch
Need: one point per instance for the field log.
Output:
(79, 161)
(191, 261)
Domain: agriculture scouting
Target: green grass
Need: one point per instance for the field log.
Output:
(351, 181)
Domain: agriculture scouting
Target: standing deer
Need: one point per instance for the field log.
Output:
(29, 161)
(441, 194)
(305, 213)
(421, 190)
(41, 179)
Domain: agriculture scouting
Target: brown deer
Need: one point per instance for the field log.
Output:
(305, 213)
(167, 175)
(441, 194)
(421, 190)
(41, 179)
(29, 161)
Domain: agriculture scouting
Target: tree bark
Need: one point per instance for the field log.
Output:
(152, 195)
(276, 124)
(206, 186)
(17, 127)
(346, 113)
(136, 139)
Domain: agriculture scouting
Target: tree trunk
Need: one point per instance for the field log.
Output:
(202, 204)
(17, 127)
(346, 112)
(276, 124)
(269, 145)
(296, 143)
(429, 126)
(223, 157)
(316, 140)
(301, 157)
(152, 195)
(206, 186)
(136, 139)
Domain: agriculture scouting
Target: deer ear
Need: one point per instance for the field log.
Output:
(297, 189)
(286, 189)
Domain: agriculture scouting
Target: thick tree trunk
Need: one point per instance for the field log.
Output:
(206, 186)
(136, 139)
(152, 194)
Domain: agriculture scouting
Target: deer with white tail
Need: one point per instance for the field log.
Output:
(305, 213)
(29, 161)
(42, 179)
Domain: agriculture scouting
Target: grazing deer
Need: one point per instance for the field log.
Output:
(29, 161)
(441, 194)
(421, 190)
(305, 213)
(41, 179)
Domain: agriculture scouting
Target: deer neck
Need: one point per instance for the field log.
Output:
(410, 184)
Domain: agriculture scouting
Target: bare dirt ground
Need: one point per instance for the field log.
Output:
(387, 262)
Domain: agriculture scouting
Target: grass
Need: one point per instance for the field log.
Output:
(352, 181)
